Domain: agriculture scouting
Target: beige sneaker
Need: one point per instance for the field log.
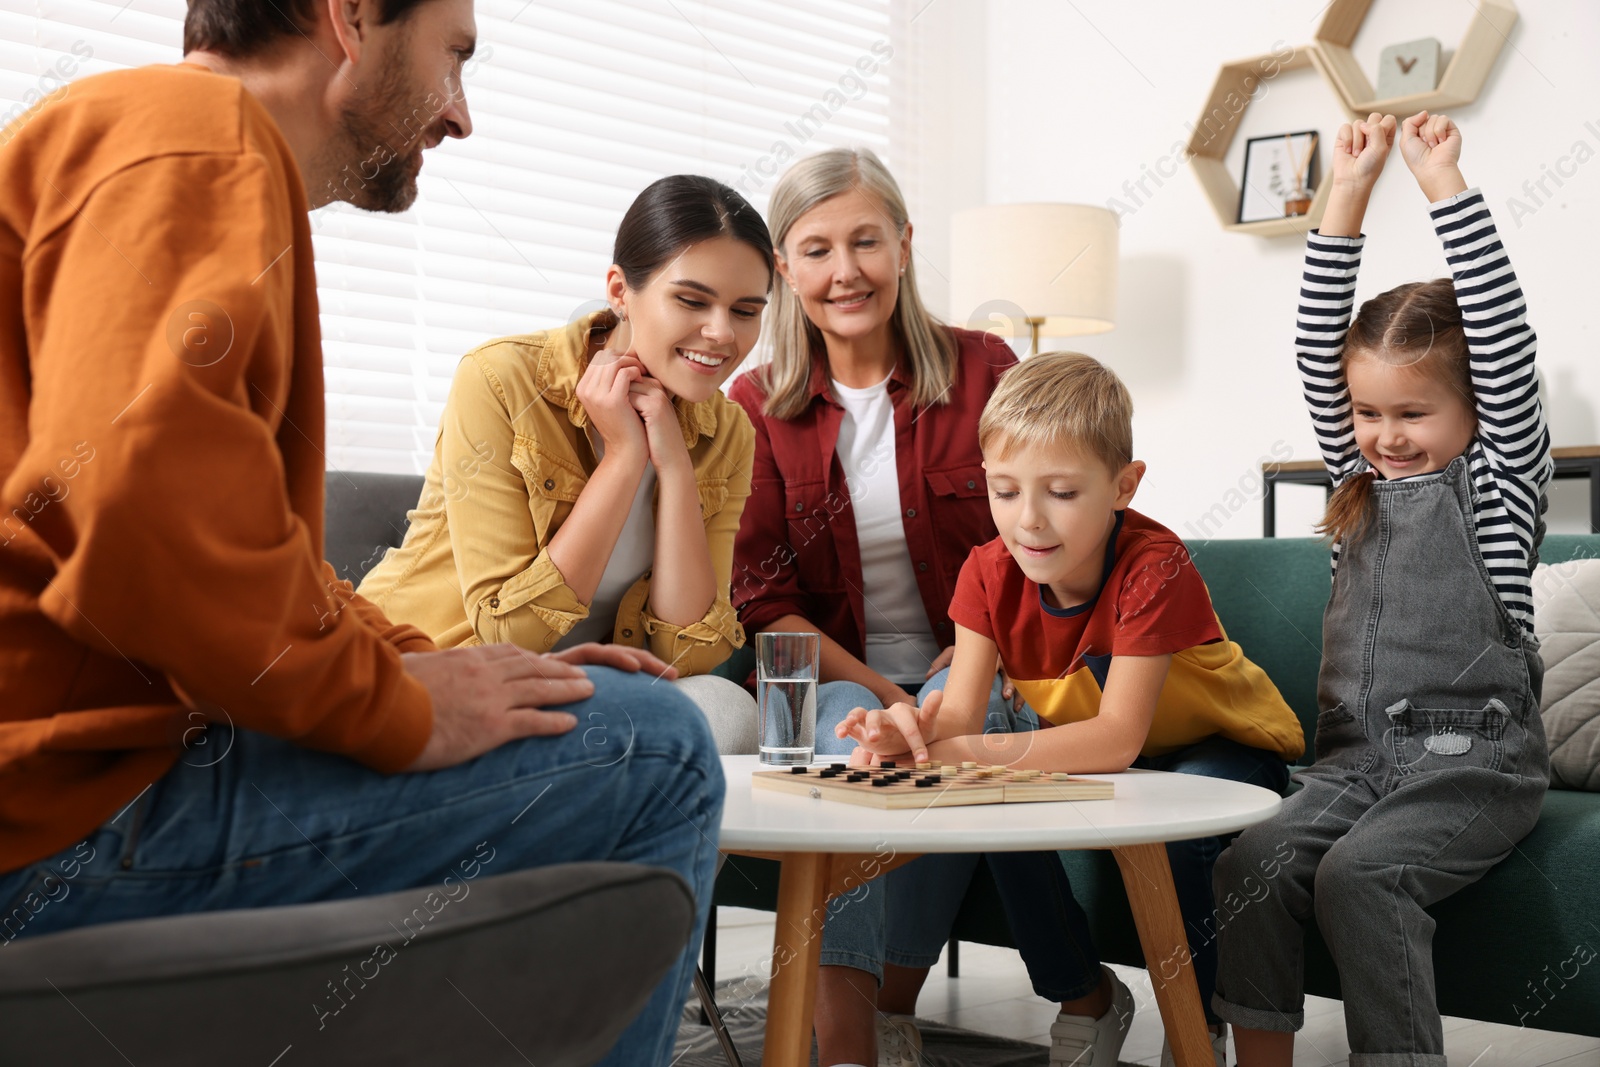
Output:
(899, 1041)
(1079, 1041)
(1219, 1049)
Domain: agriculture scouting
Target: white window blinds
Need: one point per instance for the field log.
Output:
(576, 106)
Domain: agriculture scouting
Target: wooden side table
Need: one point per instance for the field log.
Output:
(1580, 461)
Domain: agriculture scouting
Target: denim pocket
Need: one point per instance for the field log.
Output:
(1440, 739)
(1340, 743)
(553, 485)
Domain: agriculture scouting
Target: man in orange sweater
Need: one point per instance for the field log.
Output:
(161, 478)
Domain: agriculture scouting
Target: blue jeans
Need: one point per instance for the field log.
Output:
(857, 924)
(909, 923)
(258, 821)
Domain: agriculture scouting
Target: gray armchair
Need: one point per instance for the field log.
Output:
(546, 966)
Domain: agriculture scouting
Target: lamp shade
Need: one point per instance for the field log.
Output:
(1014, 262)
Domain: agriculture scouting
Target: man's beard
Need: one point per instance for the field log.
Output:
(372, 174)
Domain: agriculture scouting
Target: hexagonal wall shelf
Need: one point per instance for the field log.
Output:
(1237, 83)
(1460, 83)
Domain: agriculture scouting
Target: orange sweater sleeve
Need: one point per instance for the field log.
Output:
(163, 338)
(403, 636)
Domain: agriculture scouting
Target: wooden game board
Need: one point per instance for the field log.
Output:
(929, 785)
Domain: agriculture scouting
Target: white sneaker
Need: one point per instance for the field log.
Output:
(1219, 1049)
(1079, 1041)
(899, 1041)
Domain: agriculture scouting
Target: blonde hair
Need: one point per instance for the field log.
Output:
(1060, 399)
(930, 346)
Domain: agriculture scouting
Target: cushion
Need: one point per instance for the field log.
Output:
(1566, 616)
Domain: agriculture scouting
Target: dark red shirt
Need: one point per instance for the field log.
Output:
(797, 552)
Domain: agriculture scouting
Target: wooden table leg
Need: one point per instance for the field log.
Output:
(1154, 900)
(796, 948)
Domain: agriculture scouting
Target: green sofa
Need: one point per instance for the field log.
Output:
(1520, 947)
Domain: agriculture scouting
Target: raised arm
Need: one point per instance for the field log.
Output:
(1328, 287)
(1500, 343)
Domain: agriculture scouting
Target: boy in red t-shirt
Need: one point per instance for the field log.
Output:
(1102, 624)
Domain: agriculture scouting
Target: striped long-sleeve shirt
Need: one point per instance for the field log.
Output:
(1509, 457)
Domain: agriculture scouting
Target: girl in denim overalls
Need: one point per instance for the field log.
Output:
(1430, 754)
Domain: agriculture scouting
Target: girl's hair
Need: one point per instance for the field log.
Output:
(929, 345)
(1413, 325)
(675, 212)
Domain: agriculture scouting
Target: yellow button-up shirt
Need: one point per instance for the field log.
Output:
(512, 455)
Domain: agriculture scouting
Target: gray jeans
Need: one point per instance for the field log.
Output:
(1430, 766)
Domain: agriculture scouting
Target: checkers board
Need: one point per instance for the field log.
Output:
(929, 785)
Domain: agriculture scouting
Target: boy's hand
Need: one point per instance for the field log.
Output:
(893, 730)
(1360, 150)
(1431, 145)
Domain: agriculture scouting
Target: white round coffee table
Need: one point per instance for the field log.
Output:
(826, 848)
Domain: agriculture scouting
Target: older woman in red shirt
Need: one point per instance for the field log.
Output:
(867, 490)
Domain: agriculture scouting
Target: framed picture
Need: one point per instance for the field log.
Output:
(1280, 176)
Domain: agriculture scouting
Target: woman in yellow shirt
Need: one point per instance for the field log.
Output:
(587, 481)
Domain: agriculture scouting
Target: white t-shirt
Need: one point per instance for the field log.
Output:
(900, 644)
(634, 554)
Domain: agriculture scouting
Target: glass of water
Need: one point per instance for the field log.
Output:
(786, 697)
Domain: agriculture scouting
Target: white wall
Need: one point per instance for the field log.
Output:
(1079, 98)
(944, 118)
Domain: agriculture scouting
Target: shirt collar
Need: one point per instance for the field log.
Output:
(565, 358)
(1105, 573)
(821, 379)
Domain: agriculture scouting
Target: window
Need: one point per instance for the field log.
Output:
(576, 106)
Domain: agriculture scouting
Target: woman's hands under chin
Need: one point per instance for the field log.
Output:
(604, 392)
(663, 433)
